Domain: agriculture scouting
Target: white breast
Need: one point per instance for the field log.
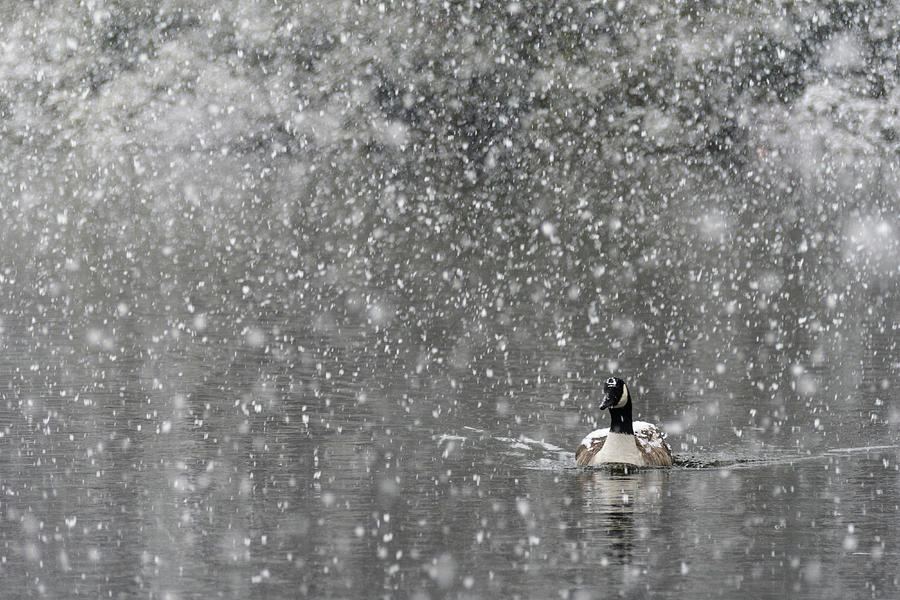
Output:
(619, 448)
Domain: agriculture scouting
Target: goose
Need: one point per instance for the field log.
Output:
(624, 441)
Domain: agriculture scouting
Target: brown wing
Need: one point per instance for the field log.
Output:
(584, 455)
(653, 446)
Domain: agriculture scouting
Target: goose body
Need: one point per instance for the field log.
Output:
(624, 441)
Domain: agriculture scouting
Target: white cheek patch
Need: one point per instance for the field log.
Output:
(624, 399)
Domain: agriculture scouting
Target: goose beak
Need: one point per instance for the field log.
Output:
(607, 402)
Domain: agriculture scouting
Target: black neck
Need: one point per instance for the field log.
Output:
(621, 419)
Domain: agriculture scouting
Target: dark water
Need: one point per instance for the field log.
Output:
(251, 467)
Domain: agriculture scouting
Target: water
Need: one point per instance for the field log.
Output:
(244, 467)
(314, 299)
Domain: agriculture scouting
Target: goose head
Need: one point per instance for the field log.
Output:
(615, 394)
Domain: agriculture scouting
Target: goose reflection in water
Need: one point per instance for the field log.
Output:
(613, 508)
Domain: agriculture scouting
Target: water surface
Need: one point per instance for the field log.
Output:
(265, 472)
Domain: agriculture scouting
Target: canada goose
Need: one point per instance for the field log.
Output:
(625, 441)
